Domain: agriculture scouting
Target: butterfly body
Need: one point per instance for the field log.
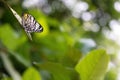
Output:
(30, 24)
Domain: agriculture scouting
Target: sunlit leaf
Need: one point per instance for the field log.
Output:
(31, 74)
(93, 66)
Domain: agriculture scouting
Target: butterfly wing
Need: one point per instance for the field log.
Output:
(30, 25)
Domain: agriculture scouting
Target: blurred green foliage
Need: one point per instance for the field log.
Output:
(93, 66)
(60, 51)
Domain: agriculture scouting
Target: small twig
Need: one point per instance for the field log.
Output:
(14, 13)
(18, 17)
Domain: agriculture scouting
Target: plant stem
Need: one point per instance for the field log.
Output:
(9, 67)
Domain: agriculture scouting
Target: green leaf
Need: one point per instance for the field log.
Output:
(58, 71)
(31, 74)
(71, 57)
(111, 74)
(93, 66)
(9, 38)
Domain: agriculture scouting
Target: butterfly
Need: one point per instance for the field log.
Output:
(30, 25)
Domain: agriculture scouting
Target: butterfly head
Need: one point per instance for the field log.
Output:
(25, 15)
